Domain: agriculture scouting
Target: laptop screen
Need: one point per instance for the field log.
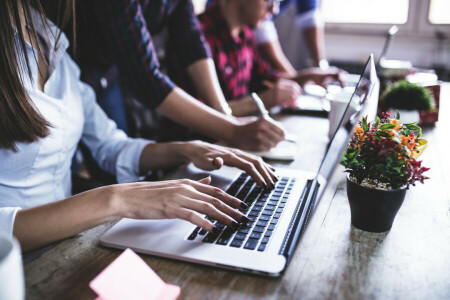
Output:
(364, 101)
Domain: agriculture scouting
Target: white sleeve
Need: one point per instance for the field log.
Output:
(110, 146)
(7, 217)
(312, 18)
(265, 32)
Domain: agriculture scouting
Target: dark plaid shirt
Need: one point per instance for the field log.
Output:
(239, 66)
(115, 39)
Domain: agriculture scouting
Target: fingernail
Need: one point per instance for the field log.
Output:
(276, 178)
(216, 230)
(245, 220)
(272, 184)
(244, 205)
(234, 225)
(266, 188)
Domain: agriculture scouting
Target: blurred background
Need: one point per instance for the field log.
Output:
(355, 28)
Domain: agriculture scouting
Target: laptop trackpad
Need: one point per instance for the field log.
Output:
(220, 178)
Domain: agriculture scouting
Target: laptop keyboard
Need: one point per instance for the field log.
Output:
(264, 211)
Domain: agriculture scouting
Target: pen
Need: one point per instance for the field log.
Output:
(263, 111)
(260, 105)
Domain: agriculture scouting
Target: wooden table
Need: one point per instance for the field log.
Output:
(333, 259)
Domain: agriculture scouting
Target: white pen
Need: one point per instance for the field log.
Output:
(260, 105)
(265, 113)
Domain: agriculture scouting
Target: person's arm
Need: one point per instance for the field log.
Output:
(256, 134)
(274, 54)
(315, 42)
(139, 67)
(204, 78)
(310, 22)
(184, 199)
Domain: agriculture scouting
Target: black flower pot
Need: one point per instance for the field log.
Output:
(371, 209)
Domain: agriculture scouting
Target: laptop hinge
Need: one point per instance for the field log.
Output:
(300, 218)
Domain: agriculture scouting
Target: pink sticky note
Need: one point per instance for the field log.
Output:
(129, 277)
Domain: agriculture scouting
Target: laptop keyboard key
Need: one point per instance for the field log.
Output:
(267, 212)
(251, 244)
(236, 243)
(192, 236)
(262, 247)
(253, 214)
(244, 230)
(210, 237)
(259, 229)
(265, 240)
(268, 233)
(255, 235)
(262, 223)
(240, 236)
(264, 218)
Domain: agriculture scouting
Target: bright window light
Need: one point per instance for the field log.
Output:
(367, 11)
(439, 12)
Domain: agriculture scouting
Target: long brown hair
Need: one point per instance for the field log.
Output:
(20, 121)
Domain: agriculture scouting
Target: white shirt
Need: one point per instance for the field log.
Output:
(40, 172)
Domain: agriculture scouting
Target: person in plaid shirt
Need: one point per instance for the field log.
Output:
(115, 41)
(241, 70)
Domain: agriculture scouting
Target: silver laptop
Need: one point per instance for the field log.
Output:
(265, 245)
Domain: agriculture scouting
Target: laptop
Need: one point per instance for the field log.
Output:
(266, 244)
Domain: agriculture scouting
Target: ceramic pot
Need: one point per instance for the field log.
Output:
(372, 209)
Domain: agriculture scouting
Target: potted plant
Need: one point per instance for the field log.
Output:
(408, 99)
(381, 162)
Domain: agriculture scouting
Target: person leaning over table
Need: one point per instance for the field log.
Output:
(45, 110)
(308, 20)
(241, 70)
(115, 42)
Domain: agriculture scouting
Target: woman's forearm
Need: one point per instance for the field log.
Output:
(163, 156)
(42, 225)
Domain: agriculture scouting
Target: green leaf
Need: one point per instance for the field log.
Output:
(387, 126)
(383, 134)
(413, 127)
(377, 122)
(364, 124)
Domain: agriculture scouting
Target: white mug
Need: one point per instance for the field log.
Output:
(338, 104)
(12, 283)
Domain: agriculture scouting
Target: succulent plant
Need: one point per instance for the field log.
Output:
(408, 96)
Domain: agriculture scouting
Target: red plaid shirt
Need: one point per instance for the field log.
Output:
(239, 66)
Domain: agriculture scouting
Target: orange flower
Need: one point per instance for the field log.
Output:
(397, 123)
(410, 143)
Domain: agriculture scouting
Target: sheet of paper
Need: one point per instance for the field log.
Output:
(129, 277)
(285, 150)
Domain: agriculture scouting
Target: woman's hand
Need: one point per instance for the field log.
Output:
(184, 199)
(211, 157)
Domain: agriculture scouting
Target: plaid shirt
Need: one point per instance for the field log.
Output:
(115, 39)
(239, 66)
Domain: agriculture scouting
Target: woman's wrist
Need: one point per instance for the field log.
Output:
(112, 202)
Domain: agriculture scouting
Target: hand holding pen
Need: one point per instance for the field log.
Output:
(265, 113)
